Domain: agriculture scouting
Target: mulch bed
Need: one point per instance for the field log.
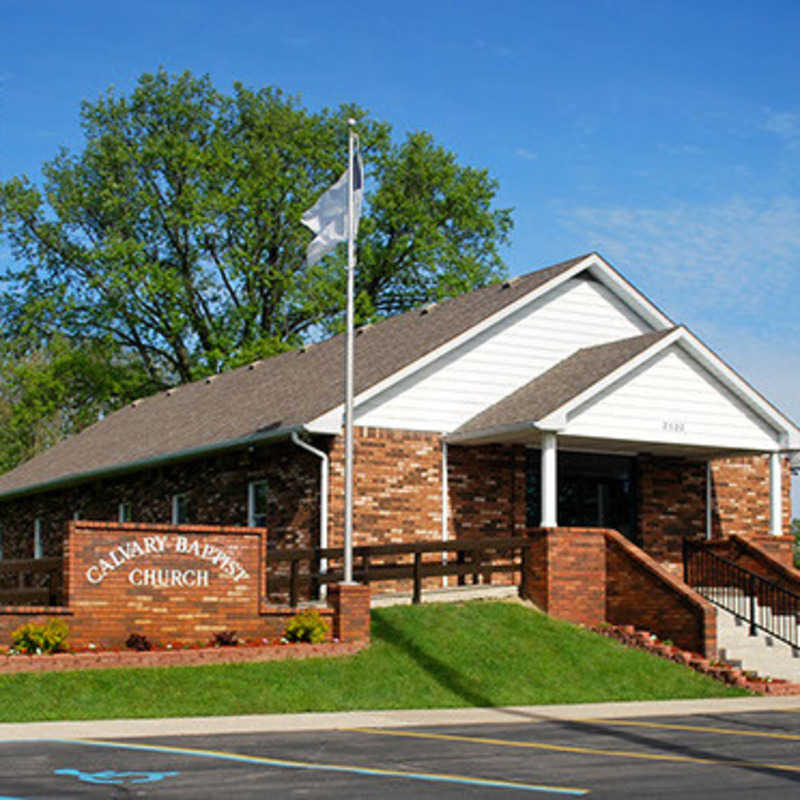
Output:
(193, 657)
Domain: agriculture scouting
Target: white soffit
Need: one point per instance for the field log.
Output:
(598, 268)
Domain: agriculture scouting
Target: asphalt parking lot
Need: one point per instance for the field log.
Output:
(747, 755)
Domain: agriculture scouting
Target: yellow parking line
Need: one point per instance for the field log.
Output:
(381, 772)
(676, 727)
(561, 748)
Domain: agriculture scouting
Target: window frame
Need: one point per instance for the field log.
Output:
(38, 552)
(177, 500)
(252, 487)
(122, 508)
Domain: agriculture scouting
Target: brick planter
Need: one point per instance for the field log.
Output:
(176, 658)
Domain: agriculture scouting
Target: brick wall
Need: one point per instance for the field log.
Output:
(397, 486)
(591, 575)
(740, 489)
(767, 556)
(642, 593)
(487, 490)
(174, 583)
(672, 501)
(217, 494)
(672, 504)
(567, 573)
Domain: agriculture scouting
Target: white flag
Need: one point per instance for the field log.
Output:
(328, 217)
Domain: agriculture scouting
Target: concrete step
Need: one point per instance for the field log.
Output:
(762, 653)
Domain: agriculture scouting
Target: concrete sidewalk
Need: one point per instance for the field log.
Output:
(270, 723)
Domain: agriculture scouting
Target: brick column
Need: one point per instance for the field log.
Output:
(567, 573)
(350, 603)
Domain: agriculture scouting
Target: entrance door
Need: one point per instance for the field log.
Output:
(594, 491)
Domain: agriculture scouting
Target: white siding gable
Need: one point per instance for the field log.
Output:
(671, 399)
(449, 391)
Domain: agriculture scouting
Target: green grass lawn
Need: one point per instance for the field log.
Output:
(430, 656)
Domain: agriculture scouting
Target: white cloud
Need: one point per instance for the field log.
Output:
(785, 124)
(528, 155)
(731, 272)
(739, 255)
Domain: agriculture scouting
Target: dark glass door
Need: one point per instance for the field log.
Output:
(594, 491)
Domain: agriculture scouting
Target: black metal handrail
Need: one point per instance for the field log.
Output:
(762, 603)
(473, 557)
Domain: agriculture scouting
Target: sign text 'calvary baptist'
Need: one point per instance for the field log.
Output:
(159, 545)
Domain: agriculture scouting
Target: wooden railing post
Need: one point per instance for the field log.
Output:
(293, 582)
(417, 597)
(523, 579)
(365, 568)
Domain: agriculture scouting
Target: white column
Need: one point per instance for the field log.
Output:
(549, 486)
(775, 505)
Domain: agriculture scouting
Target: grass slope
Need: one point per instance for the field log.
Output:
(430, 656)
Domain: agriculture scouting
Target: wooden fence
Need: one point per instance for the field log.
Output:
(31, 582)
(464, 558)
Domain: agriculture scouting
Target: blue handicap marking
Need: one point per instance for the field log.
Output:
(112, 776)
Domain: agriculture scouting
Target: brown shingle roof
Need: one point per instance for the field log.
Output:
(561, 383)
(287, 390)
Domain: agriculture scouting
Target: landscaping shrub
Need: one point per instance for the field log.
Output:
(307, 626)
(35, 638)
(225, 639)
(137, 641)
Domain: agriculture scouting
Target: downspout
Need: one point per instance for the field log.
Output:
(445, 503)
(709, 500)
(324, 472)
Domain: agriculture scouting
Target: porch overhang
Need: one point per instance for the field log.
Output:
(530, 435)
(661, 393)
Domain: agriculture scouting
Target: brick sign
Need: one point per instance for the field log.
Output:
(169, 583)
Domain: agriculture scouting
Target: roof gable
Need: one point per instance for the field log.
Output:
(549, 401)
(556, 387)
(468, 316)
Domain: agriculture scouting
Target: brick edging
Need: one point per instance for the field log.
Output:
(732, 676)
(174, 658)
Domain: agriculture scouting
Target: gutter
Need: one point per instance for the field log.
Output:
(154, 461)
(496, 430)
(324, 472)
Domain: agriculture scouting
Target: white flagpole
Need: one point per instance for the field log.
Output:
(348, 370)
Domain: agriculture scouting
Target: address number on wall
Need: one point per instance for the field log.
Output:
(673, 426)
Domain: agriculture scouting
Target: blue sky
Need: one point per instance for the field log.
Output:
(665, 135)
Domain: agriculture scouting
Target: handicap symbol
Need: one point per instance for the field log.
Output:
(112, 776)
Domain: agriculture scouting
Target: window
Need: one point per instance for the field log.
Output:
(37, 537)
(125, 513)
(180, 509)
(76, 516)
(257, 504)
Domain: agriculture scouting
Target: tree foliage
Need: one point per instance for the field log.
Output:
(170, 247)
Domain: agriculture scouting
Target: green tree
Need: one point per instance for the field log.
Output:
(171, 243)
(796, 534)
(48, 392)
